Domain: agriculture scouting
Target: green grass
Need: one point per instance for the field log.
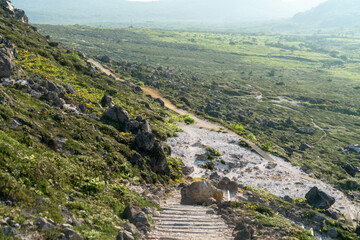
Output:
(38, 174)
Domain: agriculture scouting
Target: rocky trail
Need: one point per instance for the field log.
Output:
(188, 222)
(257, 169)
(254, 168)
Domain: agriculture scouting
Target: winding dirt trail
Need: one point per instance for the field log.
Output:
(203, 124)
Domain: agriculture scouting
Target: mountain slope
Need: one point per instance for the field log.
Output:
(73, 141)
(332, 14)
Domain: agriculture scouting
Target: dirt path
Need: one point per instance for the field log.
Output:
(201, 123)
(312, 120)
(187, 222)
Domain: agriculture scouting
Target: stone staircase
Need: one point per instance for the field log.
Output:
(179, 222)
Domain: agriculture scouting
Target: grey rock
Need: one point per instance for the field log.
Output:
(45, 224)
(304, 147)
(354, 148)
(332, 232)
(187, 170)
(36, 94)
(145, 141)
(351, 169)
(130, 211)
(352, 185)
(7, 58)
(357, 231)
(9, 231)
(105, 59)
(53, 44)
(125, 235)
(246, 233)
(159, 161)
(8, 82)
(13, 12)
(160, 101)
(199, 193)
(132, 228)
(141, 222)
(70, 89)
(333, 213)
(82, 108)
(319, 199)
(117, 114)
(137, 160)
(59, 102)
(214, 175)
(288, 199)
(306, 169)
(107, 101)
(271, 165)
(133, 126)
(72, 234)
(227, 185)
(310, 131)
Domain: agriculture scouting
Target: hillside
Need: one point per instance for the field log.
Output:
(89, 148)
(331, 14)
(72, 141)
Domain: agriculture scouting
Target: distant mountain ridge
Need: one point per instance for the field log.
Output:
(332, 14)
(114, 11)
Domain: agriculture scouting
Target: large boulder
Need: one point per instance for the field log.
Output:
(159, 162)
(319, 199)
(145, 141)
(117, 114)
(227, 185)
(7, 58)
(200, 193)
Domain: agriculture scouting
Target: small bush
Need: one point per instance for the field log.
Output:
(188, 119)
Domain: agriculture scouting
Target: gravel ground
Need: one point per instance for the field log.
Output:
(249, 168)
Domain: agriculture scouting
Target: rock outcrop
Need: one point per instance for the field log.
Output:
(13, 12)
(7, 58)
(319, 199)
(200, 193)
(117, 114)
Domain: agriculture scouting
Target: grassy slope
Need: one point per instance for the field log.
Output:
(319, 71)
(36, 178)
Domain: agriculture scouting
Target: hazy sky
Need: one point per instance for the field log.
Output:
(94, 11)
(292, 5)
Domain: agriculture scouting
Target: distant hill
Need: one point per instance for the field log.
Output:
(332, 14)
(170, 11)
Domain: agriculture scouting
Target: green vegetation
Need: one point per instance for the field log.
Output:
(59, 165)
(273, 89)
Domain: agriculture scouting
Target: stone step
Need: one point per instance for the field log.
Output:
(181, 220)
(177, 224)
(184, 210)
(183, 214)
(215, 228)
(189, 237)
